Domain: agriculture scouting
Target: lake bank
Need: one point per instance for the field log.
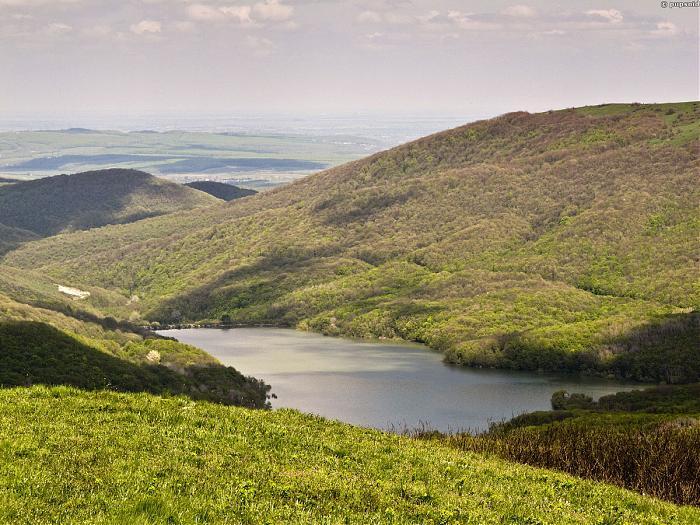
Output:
(385, 385)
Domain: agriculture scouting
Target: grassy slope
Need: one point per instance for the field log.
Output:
(44, 346)
(92, 199)
(220, 190)
(642, 440)
(143, 459)
(561, 240)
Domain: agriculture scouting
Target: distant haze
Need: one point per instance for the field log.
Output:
(87, 58)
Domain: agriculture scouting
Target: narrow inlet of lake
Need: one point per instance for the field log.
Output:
(382, 385)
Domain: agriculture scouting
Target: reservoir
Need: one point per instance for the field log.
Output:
(383, 385)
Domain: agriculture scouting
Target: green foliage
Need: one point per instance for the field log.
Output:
(91, 199)
(655, 460)
(11, 238)
(665, 399)
(558, 241)
(562, 400)
(36, 353)
(643, 439)
(142, 459)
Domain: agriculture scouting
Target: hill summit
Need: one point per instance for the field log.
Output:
(91, 199)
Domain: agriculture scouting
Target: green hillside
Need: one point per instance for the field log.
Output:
(91, 199)
(561, 240)
(11, 238)
(45, 346)
(220, 190)
(142, 459)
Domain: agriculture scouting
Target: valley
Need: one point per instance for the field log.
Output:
(531, 253)
(368, 262)
(561, 241)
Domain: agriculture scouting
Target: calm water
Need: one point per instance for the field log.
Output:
(380, 385)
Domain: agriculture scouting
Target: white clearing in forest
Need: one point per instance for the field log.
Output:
(73, 292)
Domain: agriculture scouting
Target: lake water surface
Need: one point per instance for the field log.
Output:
(382, 385)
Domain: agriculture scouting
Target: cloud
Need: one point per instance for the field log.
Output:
(519, 11)
(467, 22)
(383, 5)
(97, 31)
(665, 28)
(381, 40)
(393, 12)
(247, 15)
(371, 17)
(634, 46)
(553, 32)
(146, 26)
(548, 33)
(58, 28)
(240, 13)
(28, 3)
(612, 16)
(204, 12)
(430, 17)
(183, 26)
(260, 45)
(398, 18)
(290, 25)
(273, 10)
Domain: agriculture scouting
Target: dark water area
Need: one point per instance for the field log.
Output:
(175, 164)
(383, 385)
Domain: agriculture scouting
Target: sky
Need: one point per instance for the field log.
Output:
(418, 57)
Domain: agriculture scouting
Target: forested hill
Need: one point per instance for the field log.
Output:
(220, 190)
(91, 199)
(560, 240)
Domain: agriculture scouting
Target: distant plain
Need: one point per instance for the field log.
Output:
(249, 152)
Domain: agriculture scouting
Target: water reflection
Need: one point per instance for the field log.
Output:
(382, 385)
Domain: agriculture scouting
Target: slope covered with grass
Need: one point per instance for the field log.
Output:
(135, 458)
(91, 199)
(564, 240)
(44, 346)
(644, 440)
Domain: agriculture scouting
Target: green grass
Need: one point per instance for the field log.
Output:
(75, 457)
(643, 440)
(606, 110)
